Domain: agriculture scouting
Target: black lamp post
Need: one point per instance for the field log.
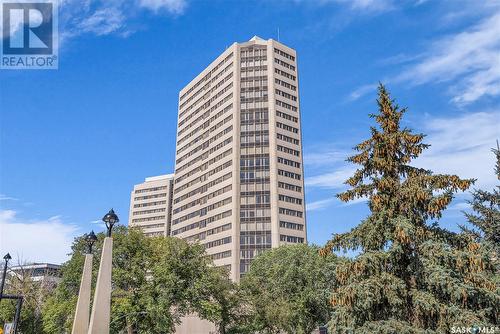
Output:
(19, 298)
(110, 219)
(7, 258)
(90, 239)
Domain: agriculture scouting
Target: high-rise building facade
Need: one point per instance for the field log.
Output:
(239, 187)
(151, 205)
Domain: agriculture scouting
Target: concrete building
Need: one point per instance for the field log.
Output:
(151, 205)
(38, 272)
(239, 187)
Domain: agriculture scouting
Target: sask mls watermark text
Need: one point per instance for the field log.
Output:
(29, 34)
(475, 330)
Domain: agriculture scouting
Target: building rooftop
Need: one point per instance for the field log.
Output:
(30, 266)
(256, 38)
(159, 177)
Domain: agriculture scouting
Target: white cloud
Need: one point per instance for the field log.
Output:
(172, 6)
(331, 179)
(361, 91)
(356, 201)
(461, 206)
(99, 224)
(420, 2)
(318, 205)
(16, 22)
(459, 145)
(462, 145)
(103, 22)
(110, 17)
(324, 203)
(4, 197)
(329, 169)
(47, 240)
(7, 215)
(469, 59)
(325, 157)
(368, 5)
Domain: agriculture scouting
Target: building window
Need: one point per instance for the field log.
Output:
(292, 239)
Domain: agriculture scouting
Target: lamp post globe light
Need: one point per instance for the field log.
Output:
(110, 219)
(6, 258)
(90, 239)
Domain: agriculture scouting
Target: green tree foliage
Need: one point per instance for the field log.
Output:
(288, 290)
(34, 293)
(410, 277)
(176, 275)
(155, 283)
(222, 302)
(485, 219)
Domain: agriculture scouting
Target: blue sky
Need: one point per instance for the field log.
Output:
(74, 141)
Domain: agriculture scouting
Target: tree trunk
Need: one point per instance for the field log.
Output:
(130, 328)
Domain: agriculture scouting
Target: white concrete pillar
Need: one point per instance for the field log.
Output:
(82, 313)
(101, 309)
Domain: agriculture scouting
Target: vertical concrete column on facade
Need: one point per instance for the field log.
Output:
(273, 157)
(236, 165)
(299, 116)
(82, 313)
(168, 224)
(101, 309)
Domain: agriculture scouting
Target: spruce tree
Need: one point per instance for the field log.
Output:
(410, 276)
(485, 219)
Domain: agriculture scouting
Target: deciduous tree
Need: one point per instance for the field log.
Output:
(289, 289)
(222, 302)
(156, 281)
(20, 282)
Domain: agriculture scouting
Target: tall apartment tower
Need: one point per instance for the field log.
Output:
(151, 205)
(239, 186)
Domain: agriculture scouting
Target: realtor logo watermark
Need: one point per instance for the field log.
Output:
(29, 34)
(475, 330)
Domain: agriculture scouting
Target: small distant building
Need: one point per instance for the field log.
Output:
(151, 205)
(38, 272)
